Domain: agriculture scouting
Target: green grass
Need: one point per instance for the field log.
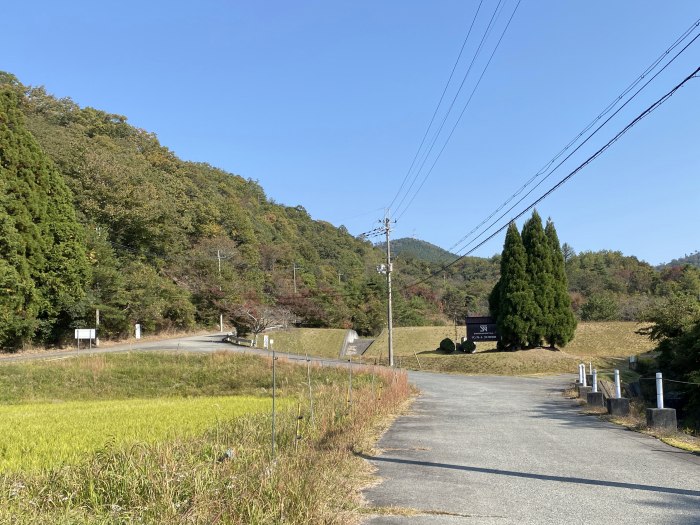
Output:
(46, 435)
(606, 344)
(319, 342)
(143, 375)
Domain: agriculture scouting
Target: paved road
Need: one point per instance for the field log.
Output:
(204, 343)
(493, 450)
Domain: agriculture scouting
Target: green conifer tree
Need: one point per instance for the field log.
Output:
(517, 310)
(41, 245)
(563, 327)
(539, 273)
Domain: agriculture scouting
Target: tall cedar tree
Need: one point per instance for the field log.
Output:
(517, 309)
(561, 331)
(539, 272)
(43, 265)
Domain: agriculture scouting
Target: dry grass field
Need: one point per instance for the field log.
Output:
(605, 344)
(320, 342)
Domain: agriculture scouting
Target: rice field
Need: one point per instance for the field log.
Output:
(171, 439)
(46, 435)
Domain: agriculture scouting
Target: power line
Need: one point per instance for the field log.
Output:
(585, 163)
(555, 168)
(459, 118)
(432, 119)
(573, 141)
(449, 109)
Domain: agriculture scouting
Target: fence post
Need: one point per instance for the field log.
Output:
(618, 390)
(595, 380)
(659, 390)
(311, 397)
(583, 370)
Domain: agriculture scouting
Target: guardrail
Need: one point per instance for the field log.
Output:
(239, 340)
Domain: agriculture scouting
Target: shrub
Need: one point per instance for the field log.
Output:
(447, 345)
(468, 346)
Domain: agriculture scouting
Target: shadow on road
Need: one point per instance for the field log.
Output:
(543, 477)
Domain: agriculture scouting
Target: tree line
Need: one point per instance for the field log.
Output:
(530, 301)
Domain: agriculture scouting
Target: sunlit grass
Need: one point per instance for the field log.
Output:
(44, 435)
(319, 342)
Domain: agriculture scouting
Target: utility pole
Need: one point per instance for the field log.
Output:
(294, 270)
(221, 316)
(294, 274)
(387, 230)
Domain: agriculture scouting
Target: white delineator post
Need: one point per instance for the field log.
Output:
(580, 374)
(595, 380)
(583, 369)
(618, 389)
(659, 390)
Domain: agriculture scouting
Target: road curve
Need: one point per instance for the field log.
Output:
(506, 450)
(203, 343)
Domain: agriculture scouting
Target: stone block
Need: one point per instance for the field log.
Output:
(618, 407)
(662, 418)
(583, 391)
(595, 399)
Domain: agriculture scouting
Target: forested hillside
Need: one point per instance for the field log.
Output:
(164, 242)
(693, 259)
(417, 249)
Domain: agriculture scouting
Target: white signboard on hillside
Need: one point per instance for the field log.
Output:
(85, 333)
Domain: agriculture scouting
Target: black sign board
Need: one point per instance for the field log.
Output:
(481, 329)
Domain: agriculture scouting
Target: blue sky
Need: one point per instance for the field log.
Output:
(325, 104)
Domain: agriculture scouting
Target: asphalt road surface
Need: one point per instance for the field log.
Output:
(501, 450)
(204, 343)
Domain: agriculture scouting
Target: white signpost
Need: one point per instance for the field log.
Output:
(137, 331)
(85, 333)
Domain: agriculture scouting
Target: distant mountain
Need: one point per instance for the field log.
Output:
(421, 250)
(693, 259)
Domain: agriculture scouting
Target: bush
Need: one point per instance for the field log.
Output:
(600, 307)
(447, 345)
(468, 347)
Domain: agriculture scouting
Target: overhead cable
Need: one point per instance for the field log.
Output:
(459, 118)
(573, 141)
(562, 181)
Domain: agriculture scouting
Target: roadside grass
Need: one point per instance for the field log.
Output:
(527, 362)
(318, 342)
(142, 375)
(44, 435)
(224, 473)
(606, 344)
